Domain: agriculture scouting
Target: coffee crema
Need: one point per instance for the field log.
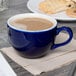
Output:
(32, 24)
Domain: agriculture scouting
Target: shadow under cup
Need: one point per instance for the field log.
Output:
(35, 44)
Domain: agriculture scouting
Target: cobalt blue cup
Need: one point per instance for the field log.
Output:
(34, 44)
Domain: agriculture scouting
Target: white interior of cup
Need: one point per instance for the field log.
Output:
(31, 15)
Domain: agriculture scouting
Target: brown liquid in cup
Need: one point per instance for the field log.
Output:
(32, 24)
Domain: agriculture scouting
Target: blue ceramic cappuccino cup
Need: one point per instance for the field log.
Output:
(34, 44)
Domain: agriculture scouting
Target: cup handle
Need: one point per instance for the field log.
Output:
(69, 31)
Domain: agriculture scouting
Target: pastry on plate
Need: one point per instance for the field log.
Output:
(71, 12)
(54, 6)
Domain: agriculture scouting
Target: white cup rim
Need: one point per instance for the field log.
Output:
(29, 15)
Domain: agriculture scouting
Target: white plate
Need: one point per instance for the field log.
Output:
(34, 4)
(5, 69)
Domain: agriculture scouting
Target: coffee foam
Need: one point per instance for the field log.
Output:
(31, 15)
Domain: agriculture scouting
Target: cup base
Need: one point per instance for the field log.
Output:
(22, 54)
(25, 55)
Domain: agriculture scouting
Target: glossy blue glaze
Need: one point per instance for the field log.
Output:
(36, 44)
